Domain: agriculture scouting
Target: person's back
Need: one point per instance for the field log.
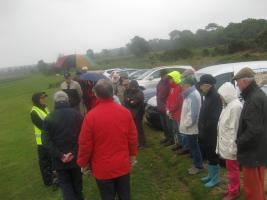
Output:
(60, 136)
(108, 144)
(64, 126)
(109, 124)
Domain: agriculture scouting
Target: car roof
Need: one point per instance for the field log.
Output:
(232, 67)
(173, 66)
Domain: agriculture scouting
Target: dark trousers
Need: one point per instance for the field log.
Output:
(141, 134)
(70, 182)
(164, 124)
(195, 150)
(45, 164)
(118, 186)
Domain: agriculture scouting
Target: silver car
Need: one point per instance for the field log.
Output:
(151, 77)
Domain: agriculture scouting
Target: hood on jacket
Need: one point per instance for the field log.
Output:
(228, 92)
(176, 76)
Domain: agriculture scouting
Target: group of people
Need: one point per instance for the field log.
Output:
(210, 124)
(104, 142)
(197, 119)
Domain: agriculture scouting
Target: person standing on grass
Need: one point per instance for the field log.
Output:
(134, 101)
(189, 122)
(208, 121)
(121, 86)
(252, 135)
(227, 132)
(163, 89)
(173, 110)
(60, 136)
(38, 113)
(74, 91)
(108, 144)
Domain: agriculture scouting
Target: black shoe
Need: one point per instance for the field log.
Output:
(168, 144)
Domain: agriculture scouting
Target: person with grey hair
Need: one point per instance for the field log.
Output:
(252, 135)
(60, 136)
(108, 144)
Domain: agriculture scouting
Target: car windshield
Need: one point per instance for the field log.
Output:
(138, 73)
(144, 75)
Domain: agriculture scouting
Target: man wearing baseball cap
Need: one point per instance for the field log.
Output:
(252, 135)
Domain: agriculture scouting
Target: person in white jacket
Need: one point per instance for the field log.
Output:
(189, 122)
(227, 133)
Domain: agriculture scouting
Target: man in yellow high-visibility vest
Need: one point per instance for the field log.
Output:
(38, 113)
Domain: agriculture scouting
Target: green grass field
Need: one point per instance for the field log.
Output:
(159, 175)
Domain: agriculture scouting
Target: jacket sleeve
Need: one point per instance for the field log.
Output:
(137, 99)
(233, 123)
(48, 141)
(254, 120)
(177, 105)
(85, 143)
(132, 137)
(36, 120)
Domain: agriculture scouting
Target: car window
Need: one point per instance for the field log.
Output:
(155, 75)
(222, 78)
(176, 69)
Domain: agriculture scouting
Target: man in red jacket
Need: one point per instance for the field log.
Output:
(108, 144)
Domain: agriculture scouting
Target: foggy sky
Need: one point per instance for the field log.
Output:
(31, 30)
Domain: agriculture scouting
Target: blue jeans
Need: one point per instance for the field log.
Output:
(195, 150)
(183, 141)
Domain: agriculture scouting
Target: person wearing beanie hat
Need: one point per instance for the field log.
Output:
(60, 136)
(189, 122)
(173, 110)
(207, 124)
(61, 96)
(252, 135)
(38, 113)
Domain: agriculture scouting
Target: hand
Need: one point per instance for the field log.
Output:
(66, 158)
(131, 101)
(133, 160)
(86, 170)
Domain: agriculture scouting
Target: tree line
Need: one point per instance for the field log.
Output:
(250, 34)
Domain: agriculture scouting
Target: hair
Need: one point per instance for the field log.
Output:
(104, 89)
(248, 79)
(163, 72)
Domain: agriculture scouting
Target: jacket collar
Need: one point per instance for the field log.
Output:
(189, 91)
(247, 92)
(62, 104)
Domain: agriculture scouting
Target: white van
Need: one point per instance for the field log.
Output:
(225, 72)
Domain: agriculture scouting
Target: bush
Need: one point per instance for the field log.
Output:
(205, 52)
(173, 55)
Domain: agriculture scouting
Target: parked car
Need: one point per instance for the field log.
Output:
(149, 93)
(225, 72)
(151, 77)
(264, 89)
(134, 75)
(152, 115)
